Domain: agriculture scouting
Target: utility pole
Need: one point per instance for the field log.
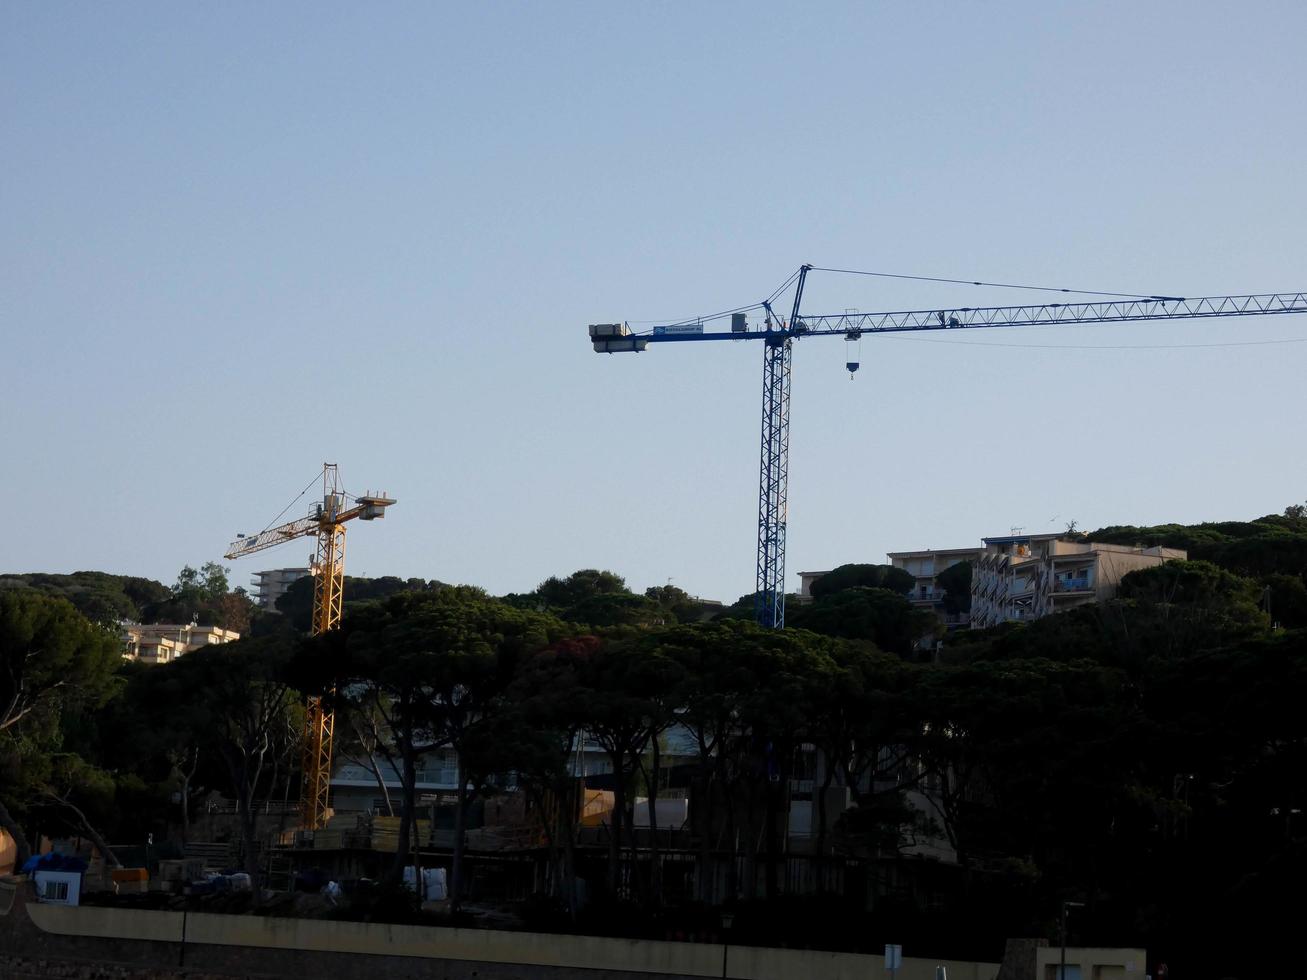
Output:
(1061, 970)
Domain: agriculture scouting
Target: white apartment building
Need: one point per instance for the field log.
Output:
(160, 643)
(354, 779)
(271, 585)
(805, 584)
(924, 566)
(1021, 577)
(354, 782)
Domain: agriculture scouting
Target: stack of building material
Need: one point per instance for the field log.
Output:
(214, 855)
(174, 874)
(131, 881)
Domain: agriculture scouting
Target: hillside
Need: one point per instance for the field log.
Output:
(200, 595)
(99, 596)
(1275, 544)
(1272, 550)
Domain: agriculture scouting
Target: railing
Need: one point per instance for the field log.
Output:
(1071, 584)
(384, 836)
(228, 808)
(425, 777)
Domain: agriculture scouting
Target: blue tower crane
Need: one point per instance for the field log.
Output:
(778, 338)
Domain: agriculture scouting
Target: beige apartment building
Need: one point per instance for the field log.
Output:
(160, 643)
(1021, 577)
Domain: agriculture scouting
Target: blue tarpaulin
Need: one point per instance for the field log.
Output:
(53, 862)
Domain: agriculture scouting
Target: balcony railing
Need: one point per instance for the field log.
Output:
(434, 776)
(1071, 584)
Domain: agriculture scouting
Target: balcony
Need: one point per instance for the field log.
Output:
(1079, 583)
(931, 596)
(360, 776)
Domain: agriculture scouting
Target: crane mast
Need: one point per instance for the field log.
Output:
(778, 338)
(774, 468)
(327, 524)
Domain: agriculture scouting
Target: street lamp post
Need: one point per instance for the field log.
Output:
(1061, 970)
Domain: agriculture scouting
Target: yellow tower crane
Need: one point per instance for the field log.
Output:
(327, 524)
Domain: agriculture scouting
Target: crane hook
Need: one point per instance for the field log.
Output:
(852, 351)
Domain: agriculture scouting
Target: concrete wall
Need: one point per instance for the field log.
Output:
(1092, 963)
(237, 945)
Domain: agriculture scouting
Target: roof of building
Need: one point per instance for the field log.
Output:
(1014, 538)
(933, 551)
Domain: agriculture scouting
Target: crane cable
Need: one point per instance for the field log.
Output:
(739, 309)
(700, 319)
(781, 288)
(315, 479)
(1000, 285)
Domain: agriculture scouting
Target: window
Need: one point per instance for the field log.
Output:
(56, 891)
(805, 762)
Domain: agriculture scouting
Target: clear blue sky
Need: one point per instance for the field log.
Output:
(239, 239)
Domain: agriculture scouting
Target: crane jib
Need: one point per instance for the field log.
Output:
(1120, 311)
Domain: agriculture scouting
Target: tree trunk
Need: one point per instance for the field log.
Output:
(381, 785)
(615, 826)
(750, 850)
(96, 840)
(419, 887)
(9, 824)
(827, 776)
(770, 792)
(285, 802)
(250, 844)
(187, 775)
(628, 814)
(371, 742)
(728, 787)
(702, 807)
(778, 796)
(568, 831)
(655, 870)
(408, 776)
(186, 809)
(538, 799)
(460, 825)
(247, 819)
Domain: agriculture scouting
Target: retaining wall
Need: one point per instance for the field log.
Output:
(151, 945)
